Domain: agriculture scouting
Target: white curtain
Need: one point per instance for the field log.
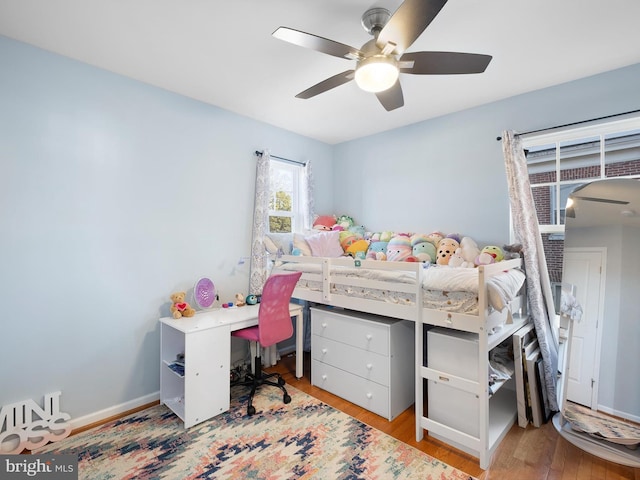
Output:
(527, 233)
(259, 266)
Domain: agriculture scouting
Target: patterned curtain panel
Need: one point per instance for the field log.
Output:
(259, 258)
(527, 233)
(306, 197)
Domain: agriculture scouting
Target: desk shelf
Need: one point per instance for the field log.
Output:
(203, 391)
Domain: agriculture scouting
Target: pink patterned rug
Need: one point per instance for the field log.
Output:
(305, 439)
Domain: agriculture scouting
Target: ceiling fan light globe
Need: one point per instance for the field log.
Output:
(377, 73)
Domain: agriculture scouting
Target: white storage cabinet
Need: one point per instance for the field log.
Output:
(366, 359)
(203, 390)
(459, 409)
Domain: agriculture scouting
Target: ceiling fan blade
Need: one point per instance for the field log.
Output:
(317, 43)
(444, 63)
(602, 200)
(328, 84)
(391, 98)
(408, 23)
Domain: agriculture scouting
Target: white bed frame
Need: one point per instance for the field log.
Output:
(496, 414)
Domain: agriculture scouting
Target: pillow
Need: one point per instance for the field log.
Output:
(274, 242)
(301, 244)
(504, 287)
(325, 244)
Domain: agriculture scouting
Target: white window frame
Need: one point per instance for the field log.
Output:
(297, 171)
(557, 136)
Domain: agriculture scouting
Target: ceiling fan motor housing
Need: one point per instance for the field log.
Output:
(374, 20)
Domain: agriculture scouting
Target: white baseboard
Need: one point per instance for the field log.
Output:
(115, 410)
(619, 414)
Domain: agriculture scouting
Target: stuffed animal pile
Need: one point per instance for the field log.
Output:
(435, 248)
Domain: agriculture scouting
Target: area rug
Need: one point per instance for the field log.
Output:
(305, 439)
(602, 426)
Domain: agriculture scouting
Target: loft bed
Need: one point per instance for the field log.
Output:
(468, 299)
(487, 302)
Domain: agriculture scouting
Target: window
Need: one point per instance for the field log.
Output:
(575, 157)
(285, 205)
(561, 160)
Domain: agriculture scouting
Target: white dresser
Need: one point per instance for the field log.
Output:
(363, 358)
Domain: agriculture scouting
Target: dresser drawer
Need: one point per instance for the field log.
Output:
(368, 365)
(351, 329)
(365, 393)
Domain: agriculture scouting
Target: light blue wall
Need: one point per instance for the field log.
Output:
(113, 194)
(448, 173)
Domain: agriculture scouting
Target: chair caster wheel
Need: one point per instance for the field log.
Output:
(251, 410)
(286, 398)
(281, 381)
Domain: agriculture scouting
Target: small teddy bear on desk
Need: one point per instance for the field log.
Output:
(240, 300)
(180, 308)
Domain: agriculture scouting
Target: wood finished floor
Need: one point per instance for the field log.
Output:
(524, 454)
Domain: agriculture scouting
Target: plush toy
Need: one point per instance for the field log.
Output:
(469, 249)
(240, 300)
(386, 236)
(424, 252)
(446, 248)
(347, 238)
(377, 251)
(436, 237)
(358, 230)
(456, 260)
(179, 308)
(345, 221)
(455, 236)
(324, 222)
(489, 254)
(512, 251)
(360, 245)
(399, 248)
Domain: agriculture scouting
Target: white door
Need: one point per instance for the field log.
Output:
(583, 267)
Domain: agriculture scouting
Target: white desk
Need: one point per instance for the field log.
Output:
(203, 390)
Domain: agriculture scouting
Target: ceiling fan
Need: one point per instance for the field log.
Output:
(382, 59)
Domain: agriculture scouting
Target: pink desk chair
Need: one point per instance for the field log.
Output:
(274, 325)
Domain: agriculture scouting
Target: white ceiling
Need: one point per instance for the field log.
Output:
(223, 53)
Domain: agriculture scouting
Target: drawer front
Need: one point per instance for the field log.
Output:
(455, 408)
(367, 394)
(369, 365)
(368, 335)
(453, 352)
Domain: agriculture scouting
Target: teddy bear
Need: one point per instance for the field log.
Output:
(240, 302)
(179, 308)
